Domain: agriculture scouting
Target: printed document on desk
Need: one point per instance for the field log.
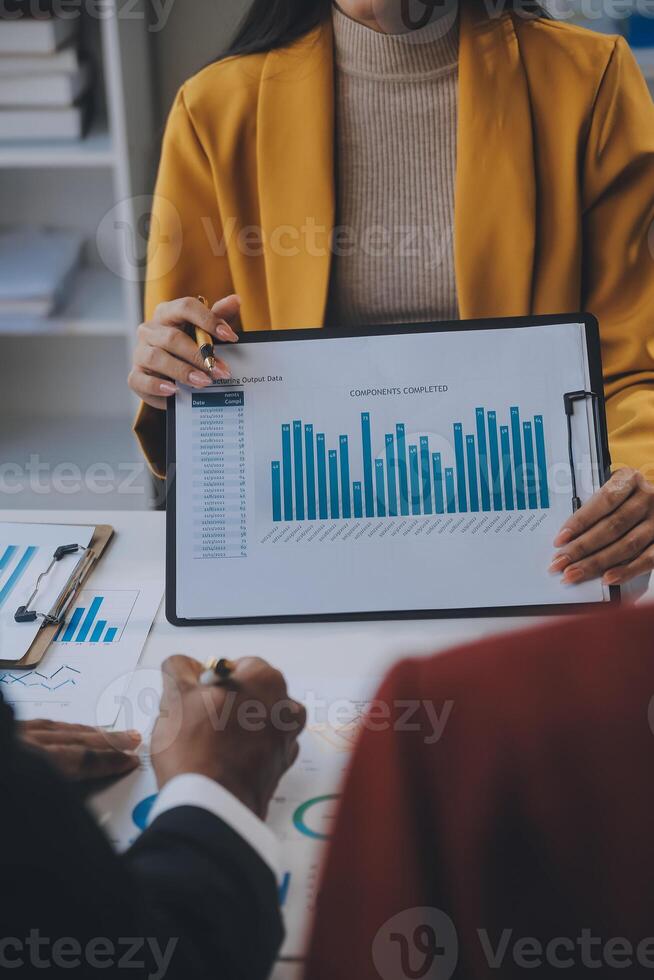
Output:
(95, 651)
(413, 471)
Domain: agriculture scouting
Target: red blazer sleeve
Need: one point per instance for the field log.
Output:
(527, 808)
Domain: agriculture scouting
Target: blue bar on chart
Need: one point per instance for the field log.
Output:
(286, 461)
(322, 476)
(312, 482)
(299, 470)
(358, 499)
(333, 484)
(380, 487)
(460, 468)
(110, 635)
(346, 503)
(495, 461)
(276, 490)
(415, 480)
(367, 464)
(541, 459)
(283, 888)
(7, 555)
(18, 572)
(530, 466)
(483, 459)
(391, 475)
(449, 490)
(98, 630)
(439, 505)
(402, 470)
(518, 464)
(85, 628)
(425, 466)
(311, 473)
(472, 473)
(69, 632)
(507, 469)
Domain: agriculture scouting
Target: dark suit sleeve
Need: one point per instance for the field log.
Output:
(203, 880)
(190, 889)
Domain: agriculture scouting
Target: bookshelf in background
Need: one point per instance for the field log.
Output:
(79, 408)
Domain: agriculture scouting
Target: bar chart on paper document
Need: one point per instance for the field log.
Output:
(492, 465)
(98, 618)
(14, 563)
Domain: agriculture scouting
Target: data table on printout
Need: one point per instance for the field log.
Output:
(349, 461)
(219, 488)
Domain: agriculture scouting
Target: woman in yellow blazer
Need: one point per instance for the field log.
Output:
(553, 212)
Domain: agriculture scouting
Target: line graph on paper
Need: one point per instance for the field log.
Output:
(63, 676)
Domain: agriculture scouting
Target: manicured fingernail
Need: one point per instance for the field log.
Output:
(559, 563)
(135, 736)
(572, 576)
(166, 388)
(611, 578)
(199, 379)
(564, 536)
(225, 332)
(221, 372)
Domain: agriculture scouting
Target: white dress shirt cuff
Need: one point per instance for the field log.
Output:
(191, 789)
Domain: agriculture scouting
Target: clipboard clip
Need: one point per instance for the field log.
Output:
(25, 614)
(570, 398)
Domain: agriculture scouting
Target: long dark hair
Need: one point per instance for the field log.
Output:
(271, 24)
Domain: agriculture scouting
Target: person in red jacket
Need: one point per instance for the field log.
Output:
(517, 838)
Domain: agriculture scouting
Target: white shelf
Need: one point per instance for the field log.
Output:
(95, 150)
(95, 307)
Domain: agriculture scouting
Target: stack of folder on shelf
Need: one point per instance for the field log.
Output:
(36, 267)
(43, 83)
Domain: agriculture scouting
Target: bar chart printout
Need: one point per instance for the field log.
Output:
(15, 560)
(491, 469)
(98, 618)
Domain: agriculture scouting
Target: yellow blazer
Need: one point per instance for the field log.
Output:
(554, 198)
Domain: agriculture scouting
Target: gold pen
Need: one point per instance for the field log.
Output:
(205, 342)
(217, 671)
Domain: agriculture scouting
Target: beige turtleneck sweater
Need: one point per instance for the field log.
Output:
(396, 123)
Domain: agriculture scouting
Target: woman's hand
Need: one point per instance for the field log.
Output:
(166, 354)
(612, 535)
(82, 753)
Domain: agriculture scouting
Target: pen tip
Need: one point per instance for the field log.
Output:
(209, 363)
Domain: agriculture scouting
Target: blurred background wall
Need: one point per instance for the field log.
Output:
(196, 32)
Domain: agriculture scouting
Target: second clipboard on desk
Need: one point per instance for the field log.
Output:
(42, 569)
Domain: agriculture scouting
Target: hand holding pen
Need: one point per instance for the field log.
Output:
(231, 721)
(165, 354)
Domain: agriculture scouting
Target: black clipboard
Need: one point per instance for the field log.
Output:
(596, 392)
